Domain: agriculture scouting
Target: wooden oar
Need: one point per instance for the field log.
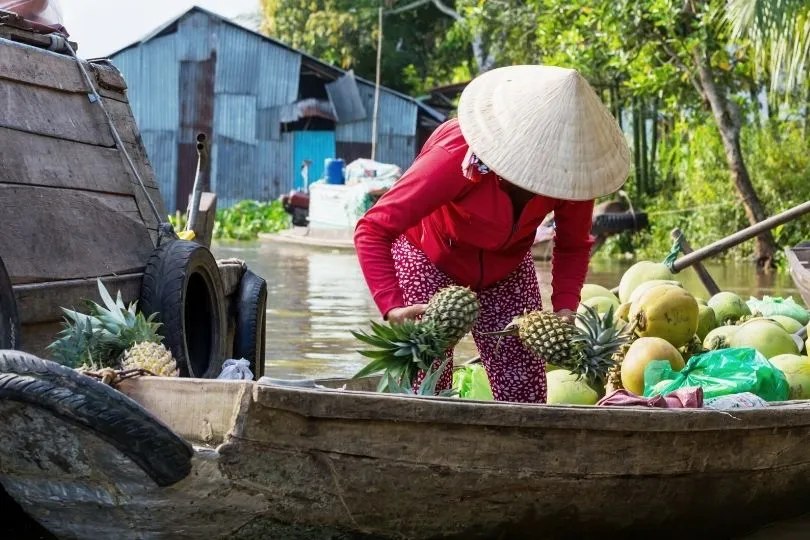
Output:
(740, 236)
(703, 274)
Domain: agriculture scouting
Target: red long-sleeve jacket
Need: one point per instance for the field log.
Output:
(466, 227)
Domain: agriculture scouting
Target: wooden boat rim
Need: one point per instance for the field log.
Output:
(358, 405)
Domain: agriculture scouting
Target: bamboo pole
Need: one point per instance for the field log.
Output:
(377, 85)
(741, 236)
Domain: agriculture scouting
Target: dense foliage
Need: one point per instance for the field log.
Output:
(244, 220)
(712, 94)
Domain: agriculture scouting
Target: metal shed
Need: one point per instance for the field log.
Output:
(265, 106)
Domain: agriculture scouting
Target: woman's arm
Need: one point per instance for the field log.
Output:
(572, 247)
(434, 179)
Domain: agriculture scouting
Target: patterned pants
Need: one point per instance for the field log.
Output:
(514, 373)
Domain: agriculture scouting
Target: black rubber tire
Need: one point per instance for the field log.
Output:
(113, 416)
(183, 286)
(251, 308)
(613, 223)
(9, 316)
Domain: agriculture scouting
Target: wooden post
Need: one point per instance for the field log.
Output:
(703, 274)
(377, 85)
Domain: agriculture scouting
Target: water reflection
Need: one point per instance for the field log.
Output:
(316, 297)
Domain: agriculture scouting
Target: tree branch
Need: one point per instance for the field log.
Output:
(441, 6)
(406, 7)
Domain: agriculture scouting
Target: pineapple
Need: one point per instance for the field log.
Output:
(102, 338)
(152, 357)
(402, 350)
(586, 349)
(614, 378)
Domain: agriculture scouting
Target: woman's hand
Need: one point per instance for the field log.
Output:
(567, 315)
(401, 314)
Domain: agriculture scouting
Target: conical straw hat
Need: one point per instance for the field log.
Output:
(543, 128)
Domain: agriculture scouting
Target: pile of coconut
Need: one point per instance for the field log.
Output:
(670, 323)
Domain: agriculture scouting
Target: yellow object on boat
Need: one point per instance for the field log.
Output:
(186, 235)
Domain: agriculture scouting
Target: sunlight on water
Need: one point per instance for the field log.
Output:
(316, 297)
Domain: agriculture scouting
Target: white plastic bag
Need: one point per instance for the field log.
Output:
(743, 400)
(236, 370)
(44, 12)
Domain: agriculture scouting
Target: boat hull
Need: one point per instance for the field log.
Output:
(799, 263)
(286, 462)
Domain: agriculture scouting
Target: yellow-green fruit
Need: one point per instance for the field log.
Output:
(643, 351)
(623, 311)
(790, 324)
(728, 307)
(454, 310)
(600, 303)
(564, 388)
(153, 357)
(591, 290)
(647, 285)
(765, 336)
(706, 321)
(667, 312)
(701, 301)
(797, 372)
(639, 273)
(719, 337)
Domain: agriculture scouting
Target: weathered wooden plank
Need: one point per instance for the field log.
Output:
(41, 302)
(26, 158)
(63, 115)
(36, 338)
(47, 69)
(53, 234)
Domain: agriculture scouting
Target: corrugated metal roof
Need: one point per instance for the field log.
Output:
(159, 99)
(161, 148)
(171, 26)
(235, 117)
(279, 72)
(238, 59)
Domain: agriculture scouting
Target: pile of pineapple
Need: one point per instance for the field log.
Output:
(112, 336)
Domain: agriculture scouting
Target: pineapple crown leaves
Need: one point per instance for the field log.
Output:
(595, 342)
(428, 387)
(407, 346)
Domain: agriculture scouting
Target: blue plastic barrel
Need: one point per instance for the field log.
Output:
(333, 170)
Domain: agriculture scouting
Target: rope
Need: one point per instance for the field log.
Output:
(96, 98)
(676, 249)
(112, 376)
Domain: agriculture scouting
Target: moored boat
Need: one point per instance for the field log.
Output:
(312, 459)
(798, 258)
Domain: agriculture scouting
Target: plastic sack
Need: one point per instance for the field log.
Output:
(774, 305)
(720, 373)
(236, 370)
(746, 400)
(471, 382)
(45, 15)
(683, 398)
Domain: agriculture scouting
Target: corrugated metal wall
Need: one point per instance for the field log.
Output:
(315, 146)
(250, 156)
(396, 128)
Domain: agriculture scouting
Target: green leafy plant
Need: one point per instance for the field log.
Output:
(246, 219)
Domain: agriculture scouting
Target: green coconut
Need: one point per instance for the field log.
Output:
(790, 324)
(668, 312)
(639, 273)
(719, 337)
(728, 307)
(600, 303)
(701, 301)
(564, 388)
(591, 290)
(647, 285)
(706, 321)
(797, 372)
(766, 336)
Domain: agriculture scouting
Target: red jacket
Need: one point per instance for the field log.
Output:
(465, 227)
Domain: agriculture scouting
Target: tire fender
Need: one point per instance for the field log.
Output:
(183, 286)
(249, 338)
(9, 316)
(111, 415)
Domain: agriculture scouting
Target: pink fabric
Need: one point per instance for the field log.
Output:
(684, 398)
(515, 374)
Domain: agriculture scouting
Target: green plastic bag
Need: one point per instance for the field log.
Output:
(720, 373)
(471, 382)
(774, 305)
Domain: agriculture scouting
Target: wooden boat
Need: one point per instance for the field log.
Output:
(297, 460)
(798, 258)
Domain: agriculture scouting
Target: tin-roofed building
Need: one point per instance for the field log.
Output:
(265, 107)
